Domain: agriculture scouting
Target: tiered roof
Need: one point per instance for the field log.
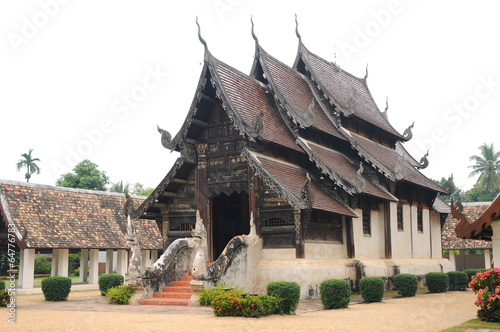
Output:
(49, 217)
(303, 110)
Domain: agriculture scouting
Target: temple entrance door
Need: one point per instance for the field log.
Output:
(230, 217)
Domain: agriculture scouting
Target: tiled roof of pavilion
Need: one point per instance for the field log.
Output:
(66, 218)
(472, 211)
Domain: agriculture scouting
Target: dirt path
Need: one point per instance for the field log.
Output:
(87, 311)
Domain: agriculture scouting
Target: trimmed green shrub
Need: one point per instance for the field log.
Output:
(207, 295)
(120, 294)
(472, 272)
(244, 305)
(335, 293)
(458, 281)
(107, 281)
(372, 289)
(42, 265)
(406, 284)
(2, 284)
(437, 282)
(4, 298)
(56, 288)
(288, 291)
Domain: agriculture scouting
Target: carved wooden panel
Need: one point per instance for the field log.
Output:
(325, 226)
(181, 223)
(279, 240)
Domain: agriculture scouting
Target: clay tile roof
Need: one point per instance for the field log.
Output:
(389, 159)
(477, 227)
(296, 95)
(339, 166)
(472, 211)
(289, 179)
(248, 97)
(346, 91)
(56, 217)
(441, 206)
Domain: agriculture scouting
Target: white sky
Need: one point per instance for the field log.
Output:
(67, 71)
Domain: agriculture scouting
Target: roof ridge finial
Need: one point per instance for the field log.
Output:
(253, 33)
(366, 73)
(297, 28)
(199, 34)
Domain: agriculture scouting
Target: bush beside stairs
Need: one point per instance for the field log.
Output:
(178, 294)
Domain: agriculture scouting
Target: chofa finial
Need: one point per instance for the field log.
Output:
(253, 33)
(408, 134)
(366, 72)
(199, 34)
(297, 28)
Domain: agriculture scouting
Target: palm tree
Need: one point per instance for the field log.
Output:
(487, 165)
(119, 187)
(30, 163)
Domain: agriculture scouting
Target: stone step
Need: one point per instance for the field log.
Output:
(164, 301)
(181, 283)
(178, 294)
(171, 295)
(187, 278)
(177, 290)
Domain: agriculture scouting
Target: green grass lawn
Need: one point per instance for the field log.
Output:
(473, 324)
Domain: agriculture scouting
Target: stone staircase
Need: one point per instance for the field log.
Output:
(178, 294)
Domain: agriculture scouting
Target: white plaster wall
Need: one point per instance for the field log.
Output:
(369, 246)
(317, 250)
(421, 240)
(401, 240)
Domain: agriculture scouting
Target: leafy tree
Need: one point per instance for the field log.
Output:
(30, 163)
(487, 165)
(119, 187)
(86, 176)
(140, 190)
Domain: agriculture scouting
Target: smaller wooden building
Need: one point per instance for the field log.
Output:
(472, 210)
(485, 227)
(35, 217)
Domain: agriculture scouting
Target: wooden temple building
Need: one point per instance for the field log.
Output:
(305, 155)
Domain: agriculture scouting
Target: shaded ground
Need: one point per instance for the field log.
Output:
(87, 310)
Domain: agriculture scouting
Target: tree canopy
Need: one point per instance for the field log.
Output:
(487, 165)
(86, 175)
(30, 163)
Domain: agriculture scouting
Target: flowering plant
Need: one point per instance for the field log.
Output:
(487, 287)
(234, 304)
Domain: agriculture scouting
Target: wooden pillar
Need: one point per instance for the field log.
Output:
(84, 264)
(202, 200)
(109, 261)
(27, 265)
(299, 240)
(93, 266)
(387, 230)
(351, 251)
